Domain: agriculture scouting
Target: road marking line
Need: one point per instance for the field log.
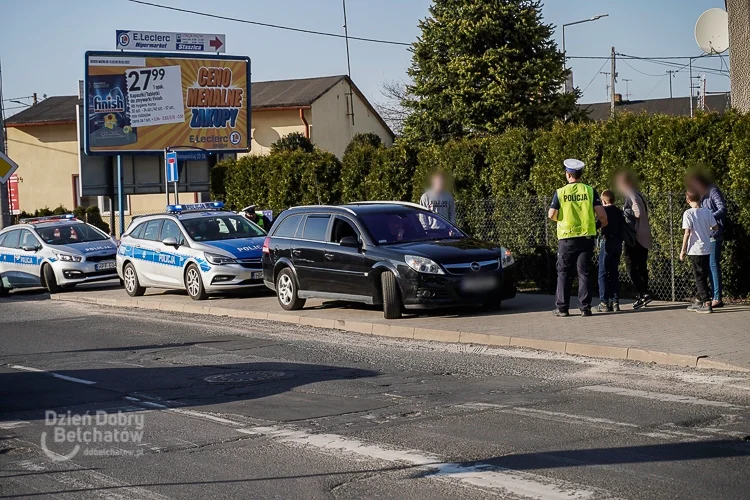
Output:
(53, 374)
(568, 416)
(482, 475)
(660, 396)
(189, 413)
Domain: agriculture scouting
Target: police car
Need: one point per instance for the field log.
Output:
(198, 247)
(54, 252)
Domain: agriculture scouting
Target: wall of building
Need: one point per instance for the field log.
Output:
(739, 38)
(332, 128)
(47, 157)
(269, 126)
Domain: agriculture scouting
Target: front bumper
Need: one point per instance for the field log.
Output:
(232, 277)
(73, 273)
(425, 291)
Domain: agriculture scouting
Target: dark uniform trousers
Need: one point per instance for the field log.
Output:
(574, 256)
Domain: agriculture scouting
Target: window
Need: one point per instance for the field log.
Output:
(11, 239)
(137, 232)
(288, 227)
(2, 238)
(105, 205)
(65, 235)
(170, 229)
(341, 229)
(151, 232)
(409, 226)
(221, 228)
(28, 240)
(315, 227)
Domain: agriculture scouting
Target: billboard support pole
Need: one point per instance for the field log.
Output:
(166, 183)
(176, 195)
(120, 195)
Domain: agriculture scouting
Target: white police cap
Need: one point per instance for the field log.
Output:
(573, 165)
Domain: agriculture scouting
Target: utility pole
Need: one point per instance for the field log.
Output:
(671, 73)
(606, 80)
(691, 86)
(4, 197)
(348, 65)
(613, 77)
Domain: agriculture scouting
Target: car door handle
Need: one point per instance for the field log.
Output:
(329, 256)
(297, 252)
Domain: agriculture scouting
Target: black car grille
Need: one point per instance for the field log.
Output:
(473, 267)
(249, 263)
(99, 258)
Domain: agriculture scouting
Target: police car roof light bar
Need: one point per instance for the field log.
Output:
(47, 218)
(211, 205)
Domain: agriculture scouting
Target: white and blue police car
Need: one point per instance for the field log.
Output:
(197, 247)
(54, 252)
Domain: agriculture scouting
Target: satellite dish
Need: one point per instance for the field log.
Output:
(712, 31)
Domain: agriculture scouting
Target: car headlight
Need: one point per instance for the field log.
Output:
(66, 257)
(219, 260)
(506, 260)
(423, 265)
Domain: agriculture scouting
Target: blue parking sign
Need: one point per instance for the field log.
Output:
(173, 175)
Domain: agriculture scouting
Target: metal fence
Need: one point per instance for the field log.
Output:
(521, 224)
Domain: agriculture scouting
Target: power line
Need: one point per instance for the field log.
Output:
(637, 70)
(595, 75)
(655, 86)
(269, 25)
(18, 98)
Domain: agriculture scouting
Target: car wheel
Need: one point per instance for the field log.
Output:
(194, 283)
(392, 305)
(286, 291)
(130, 281)
(50, 281)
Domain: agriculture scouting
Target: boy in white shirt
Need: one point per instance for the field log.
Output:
(699, 224)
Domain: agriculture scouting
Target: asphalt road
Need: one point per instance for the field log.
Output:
(184, 406)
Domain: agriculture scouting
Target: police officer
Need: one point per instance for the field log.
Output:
(575, 207)
(257, 217)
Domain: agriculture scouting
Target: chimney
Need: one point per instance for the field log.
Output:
(618, 98)
(80, 89)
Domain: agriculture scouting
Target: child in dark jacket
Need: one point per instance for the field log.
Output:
(610, 250)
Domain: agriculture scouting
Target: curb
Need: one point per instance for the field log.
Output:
(416, 333)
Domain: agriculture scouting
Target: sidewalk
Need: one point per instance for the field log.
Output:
(663, 333)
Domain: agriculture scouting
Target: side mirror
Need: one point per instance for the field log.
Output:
(350, 241)
(30, 248)
(170, 242)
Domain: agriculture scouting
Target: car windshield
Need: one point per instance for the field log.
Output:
(221, 228)
(65, 235)
(408, 227)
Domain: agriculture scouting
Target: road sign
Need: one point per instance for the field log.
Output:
(143, 102)
(173, 175)
(7, 167)
(170, 42)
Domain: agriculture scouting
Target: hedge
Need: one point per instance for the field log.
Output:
(493, 174)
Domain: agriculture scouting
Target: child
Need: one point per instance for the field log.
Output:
(610, 250)
(699, 224)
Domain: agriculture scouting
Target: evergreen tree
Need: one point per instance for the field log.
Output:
(481, 66)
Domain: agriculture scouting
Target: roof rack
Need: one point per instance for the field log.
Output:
(327, 207)
(389, 202)
(47, 218)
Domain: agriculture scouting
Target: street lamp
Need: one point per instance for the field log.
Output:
(595, 18)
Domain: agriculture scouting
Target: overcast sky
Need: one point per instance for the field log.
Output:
(42, 42)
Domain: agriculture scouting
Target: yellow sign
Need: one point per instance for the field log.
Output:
(7, 167)
(143, 103)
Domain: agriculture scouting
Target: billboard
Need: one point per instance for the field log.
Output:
(145, 102)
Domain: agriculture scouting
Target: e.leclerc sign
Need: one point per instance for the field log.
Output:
(170, 42)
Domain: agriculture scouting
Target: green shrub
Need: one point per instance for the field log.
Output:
(292, 142)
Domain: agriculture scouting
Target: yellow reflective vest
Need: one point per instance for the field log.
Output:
(576, 216)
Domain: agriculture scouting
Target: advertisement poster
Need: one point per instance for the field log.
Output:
(144, 103)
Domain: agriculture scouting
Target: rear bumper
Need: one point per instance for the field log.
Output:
(422, 291)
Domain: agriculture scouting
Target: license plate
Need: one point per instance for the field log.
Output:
(479, 284)
(105, 265)
(257, 276)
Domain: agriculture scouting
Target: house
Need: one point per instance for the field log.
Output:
(677, 106)
(43, 138)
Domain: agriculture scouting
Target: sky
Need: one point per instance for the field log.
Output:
(42, 42)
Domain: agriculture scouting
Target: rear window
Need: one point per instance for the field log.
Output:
(315, 227)
(151, 232)
(138, 231)
(11, 239)
(288, 227)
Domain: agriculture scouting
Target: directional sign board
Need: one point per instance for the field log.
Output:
(170, 42)
(7, 167)
(173, 175)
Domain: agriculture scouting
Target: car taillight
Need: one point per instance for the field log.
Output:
(266, 243)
